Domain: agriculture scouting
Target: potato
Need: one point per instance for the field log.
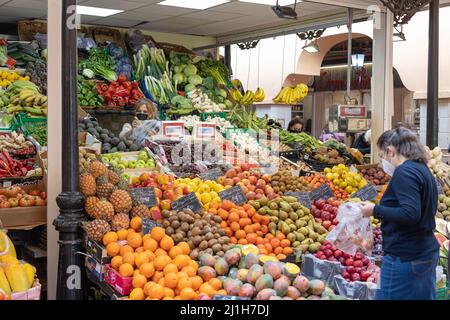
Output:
(216, 248)
(185, 227)
(221, 232)
(191, 244)
(209, 236)
(166, 224)
(217, 219)
(170, 231)
(194, 254)
(172, 219)
(220, 253)
(176, 224)
(166, 214)
(209, 250)
(203, 245)
(206, 230)
(196, 231)
(196, 240)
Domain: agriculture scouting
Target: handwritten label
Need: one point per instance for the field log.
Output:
(146, 195)
(187, 202)
(148, 225)
(322, 192)
(302, 197)
(234, 194)
(368, 193)
(212, 174)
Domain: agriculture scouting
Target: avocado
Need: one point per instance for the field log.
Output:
(113, 150)
(107, 140)
(128, 143)
(95, 123)
(121, 146)
(134, 147)
(92, 131)
(104, 137)
(82, 126)
(115, 141)
(111, 135)
(99, 129)
(89, 125)
(105, 131)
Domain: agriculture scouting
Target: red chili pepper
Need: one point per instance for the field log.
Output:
(122, 78)
(114, 84)
(8, 157)
(122, 92)
(127, 85)
(134, 84)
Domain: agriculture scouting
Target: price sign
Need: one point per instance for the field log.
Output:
(368, 193)
(173, 129)
(148, 225)
(212, 174)
(302, 197)
(439, 186)
(322, 192)
(204, 130)
(146, 195)
(187, 202)
(234, 194)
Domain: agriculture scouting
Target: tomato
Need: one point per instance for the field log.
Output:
(27, 201)
(40, 202)
(43, 195)
(11, 192)
(5, 204)
(14, 202)
(34, 192)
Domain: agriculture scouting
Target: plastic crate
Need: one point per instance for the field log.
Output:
(30, 124)
(442, 293)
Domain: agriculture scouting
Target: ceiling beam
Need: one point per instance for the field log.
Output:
(355, 4)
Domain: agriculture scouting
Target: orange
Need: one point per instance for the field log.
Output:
(223, 214)
(122, 234)
(110, 237)
(181, 261)
(113, 249)
(188, 294)
(156, 291)
(215, 283)
(248, 229)
(171, 280)
(139, 250)
(134, 240)
(141, 258)
(281, 256)
(157, 233)
(175, 251)
(233, 217)
(136, 272)
(222, 292)
(116, 262)
(208, 289)
(139, 281)
(287, 251)
(146, 236)
(194, 265)
(151, 256)
(285, 243)
(158, 276)
(166, 243)
(128, 258)
(275, 242)
(168, 294)
(240, 234)
(170, 268)
(124, 249)
(150, 244)
(196, 282)
(182, 274)
(161, 261)
(160, 252)
(235, 226)
(136, 223)
(131, 230)
(162, 282)
(147, 287)
(227, 205)
(137, 294)
(147, 269)
(243, 241)
(278, 250)
(184, 282)
(280, 236)
(189, 271)
(251, 238)
(184, 247)
(126, 270)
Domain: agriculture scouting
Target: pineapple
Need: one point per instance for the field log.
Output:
(113, 176)
(122, 184)
(120, 221)
(97, 169)
(96, 229)
(87, 184)
(140, 210)
(90, 204)
(121, 200)
(104, 188)
(103, 209)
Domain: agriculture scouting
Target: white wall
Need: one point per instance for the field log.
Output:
(444, 122)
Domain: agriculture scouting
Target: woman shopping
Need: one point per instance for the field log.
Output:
(145, 123)
(407, 211)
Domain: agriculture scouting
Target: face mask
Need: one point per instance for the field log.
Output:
(388, 167)
(142, 116)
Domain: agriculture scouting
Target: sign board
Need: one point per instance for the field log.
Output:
(173, 129)
(146, 195)
(368, 193)
(187, 202)
(234, 194)
(349, 111)
(212, 174)
(204, 130)
(148, 225)
(303, 197)
(322, 192)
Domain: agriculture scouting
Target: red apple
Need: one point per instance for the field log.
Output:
(252, 179)
(256, 174)
(251, 195)
(236, 180)
(230, 173)
(246, 174)
(266, 177)
(259, 196)
(268, 189)
(338, 254)
(251, 188)
(259, 191)
(228, 182)
(237, 169)
(34, 192)
(260, 183)
(155, 213)
(245, 167)
(272, 196)
(349, 262)
(245, 182)
(326, 224)
(330, 228)
(169, 195)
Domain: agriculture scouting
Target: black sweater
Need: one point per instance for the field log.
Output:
(407, 210)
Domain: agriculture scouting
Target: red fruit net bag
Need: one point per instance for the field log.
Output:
(353, 231)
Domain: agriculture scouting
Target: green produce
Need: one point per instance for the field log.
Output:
(39, 133)
(161, 90)
(88, 94)
(243, 118)
(215, 69)
(443, 207)
(24, 96)
(308, 142)
(101, 63)
(23, 53)
(150, 62)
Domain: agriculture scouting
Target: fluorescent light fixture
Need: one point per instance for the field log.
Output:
(311, 47)
(343, 66)
(285, 12)
(193, 4)
(358, 60)
(98, 12)
(271, 2)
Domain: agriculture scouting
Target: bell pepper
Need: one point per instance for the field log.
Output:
(122, 92)
(107, 96)
(127, 85)
(122, 78)
(104, 87)
(134, 84)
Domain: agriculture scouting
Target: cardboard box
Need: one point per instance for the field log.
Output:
(97, 251)
(122, 285)
(96, 268)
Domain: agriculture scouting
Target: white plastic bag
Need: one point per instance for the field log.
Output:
(353, 231)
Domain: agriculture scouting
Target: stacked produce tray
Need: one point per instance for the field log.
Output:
(35, 127)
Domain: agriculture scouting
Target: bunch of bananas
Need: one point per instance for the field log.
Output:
(292, 95)
(249, 97)
(260, 95)
(24, 96)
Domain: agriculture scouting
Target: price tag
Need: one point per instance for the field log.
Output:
(146, 195)
(302, 197)
(322, 192)
(368, 193)
(234, 194)
(204, 130)
(148, 225)
(212, 174)
(187, 202)
(7, 184)
(173, 129)
(439, 186)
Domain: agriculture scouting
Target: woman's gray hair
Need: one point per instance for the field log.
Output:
(406, 143)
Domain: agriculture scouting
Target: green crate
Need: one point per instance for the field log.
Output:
(443, 293)
(29, 125)
(205, 115)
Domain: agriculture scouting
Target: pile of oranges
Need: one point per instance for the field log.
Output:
(241, 223)
(276, 246)
(159, 268)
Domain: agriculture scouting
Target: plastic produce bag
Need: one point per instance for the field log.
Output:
(41, 38)
(324, 270)
(353, 231)
(355, 289)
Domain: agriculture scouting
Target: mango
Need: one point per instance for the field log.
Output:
(292, 292)
(250, 260)
(264, 282)
(316, 287)
(281, 286)
(301, 283)
(207, 259)
(233, 273)
(206, 273)
(221, 267)
(233, 287)
(291, 270)
(254, 273)
(265, 294)
(247, 291)
(273, 269)
(232, 258)
(242, 274)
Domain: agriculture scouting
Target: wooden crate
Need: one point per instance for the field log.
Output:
(27, 29)
(102, 34)
(168, 47)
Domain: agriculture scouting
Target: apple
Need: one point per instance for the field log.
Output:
(221, 180)
(358, 264)
(365, 261)
(346, 275)
(365, 275)
(43, 195)
(132, 164)
(114, 163)
(236, 180)
(272, 196)
(338, 254)
(260, 183)
(359, 256)
(143, 155)
(228, 182)
(251, 188)
(251, 195)
(320, 204)
(326, 224)
(356, 277)
(40, 202)
(155, 212)
(259, 191)
(259, 196)
(349, 262)
(245, 167)
(358, 270)
(256, 174)
(350, 269)
(237, 169)
(252, 179)
(330, 228)
(246, 174)
(245, 182)
(328, 253)
(231, 173)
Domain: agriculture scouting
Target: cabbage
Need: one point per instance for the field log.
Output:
(190, 70)
(195, 79)
(189, 87)
(178, 69)
(178, 77)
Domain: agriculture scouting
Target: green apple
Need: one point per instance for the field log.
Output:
(150, 164)
(132, 164)
(114, 163)
(105, 159)
(140, 165)
(124, 163)
(142, 162)
(143, 155)
(121, 166)
(125, 176)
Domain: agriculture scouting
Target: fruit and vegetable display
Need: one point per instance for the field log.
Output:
(7, 77)
(206, 191)
(325, 212)
(23, 53)
(435, 163)
(284, 181)
(10, 167)
(308, 142)
(345, 179)
(87, 94)
(13, 197)
(292, 95)
(376, 176)
(24, 96)
(16, 144)
(99, 63)
(443, 207)
(317, 180)
(129, 161)
(123, 63)
(201, 102)
(249, 97)
(37, 73)
(328, 156)
(120, 93)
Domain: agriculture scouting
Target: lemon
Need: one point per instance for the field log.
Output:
(206, 198)
(335, 176)
(343, 185)
(217, 200)
(349, 190)
(218, 188)
(213, 194)
(199, 196)
(192, 187)
(358, 178)
(329, 176)
(336, 182)
(204, 188)
(327, 170)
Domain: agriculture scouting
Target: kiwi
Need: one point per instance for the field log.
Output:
(213, 242)
(209, 236)
(220, 253)
(166, 224)
(216, 247)
(176, 224)
(203, 245)
(170, 231)
(185, 227)
(196, 240)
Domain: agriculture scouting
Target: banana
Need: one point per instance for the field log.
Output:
(33, 110)
(12, 109)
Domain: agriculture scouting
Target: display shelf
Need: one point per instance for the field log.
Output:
(105, 111)
(106, 288)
